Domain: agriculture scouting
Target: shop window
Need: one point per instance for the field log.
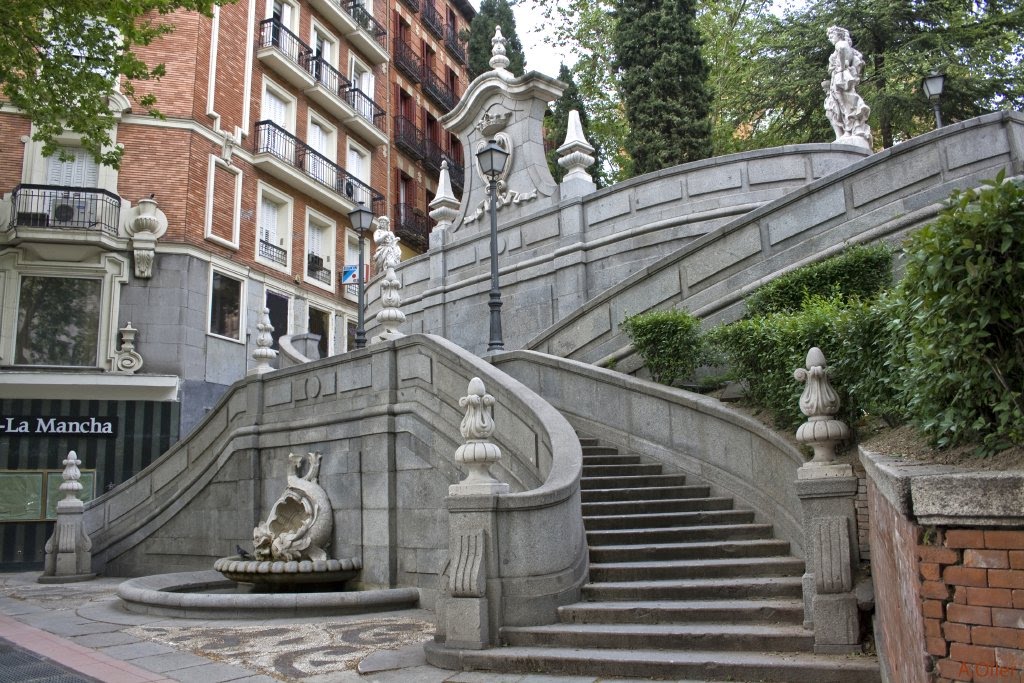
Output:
(226, 306)
(320, 323)
(58, 321)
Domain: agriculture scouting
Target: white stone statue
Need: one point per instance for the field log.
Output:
(846, 109)
(299, 525)
(387, 254)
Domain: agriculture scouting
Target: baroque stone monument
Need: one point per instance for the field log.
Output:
(846, 109)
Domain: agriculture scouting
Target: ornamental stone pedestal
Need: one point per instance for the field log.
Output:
(69, 549)
(827, 491)
(466, 608)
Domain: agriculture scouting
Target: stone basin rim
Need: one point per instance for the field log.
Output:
(162, 594)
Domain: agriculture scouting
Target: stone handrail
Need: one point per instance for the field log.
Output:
(554, 258)
(878, 198)
(386, 419)
(686, 432)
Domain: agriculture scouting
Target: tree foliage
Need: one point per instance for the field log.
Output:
(774, 96)
(494, 13)
(663, 74)
(59, 62)
(556, 125)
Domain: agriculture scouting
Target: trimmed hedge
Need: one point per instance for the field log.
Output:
(670, 343)
(859, 271)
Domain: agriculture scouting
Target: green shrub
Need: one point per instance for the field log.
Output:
(965, 324)
(670, 343)
(860, 271)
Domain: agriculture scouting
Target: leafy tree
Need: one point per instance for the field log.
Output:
(778, 99)
(494, 13)
(557, 124)
(59, 61)
(663, 74)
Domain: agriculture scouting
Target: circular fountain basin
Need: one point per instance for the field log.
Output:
(278, 574)
(209, 595)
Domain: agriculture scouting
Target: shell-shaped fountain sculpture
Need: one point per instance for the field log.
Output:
(290, 544)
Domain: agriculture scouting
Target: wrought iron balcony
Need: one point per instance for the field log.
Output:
(432, 19)
(328, 76)
(454, 43)
(315, 269)
(414, 5)
(433, 155)
(437, 90)
(368, 23)
(366, 107)
(58, 207)
(276, 141)
(457, 174)
(274, 34)
(412, 226)
(409, 138)
(407, 61)
(272, 252)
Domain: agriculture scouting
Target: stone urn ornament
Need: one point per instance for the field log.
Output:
(819, 402)
(478, 453)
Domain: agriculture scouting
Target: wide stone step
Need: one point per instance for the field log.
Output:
(688, 534)
(627, 482)
(596, 449)
(639, 507)
(789, 611)
(627, 470)
(685, 551)
(644, 493)
(668, 519)
(696, 569)
(610, 460)
(721, 588)
(699, 665)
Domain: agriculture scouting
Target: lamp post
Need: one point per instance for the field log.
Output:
(361, 217)
(492, 160)
(932, 85)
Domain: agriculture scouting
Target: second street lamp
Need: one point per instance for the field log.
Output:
(492, 158)
(361, 218)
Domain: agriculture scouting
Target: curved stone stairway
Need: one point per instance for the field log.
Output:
(682, 586)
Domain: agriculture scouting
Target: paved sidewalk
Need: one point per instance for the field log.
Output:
(82, 626)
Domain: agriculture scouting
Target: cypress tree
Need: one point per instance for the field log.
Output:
(663, 83)
(494, 13)
(557, 122)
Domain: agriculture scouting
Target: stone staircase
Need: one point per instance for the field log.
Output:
(682, 586)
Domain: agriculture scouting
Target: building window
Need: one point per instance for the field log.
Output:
(352, 265)
(226, 306)
(274, 226)
(358, 162)
(320, 323)
(361, 77)
(278, 305)
(278, 107)
(58, 321)
(319, 250)
(350, 334)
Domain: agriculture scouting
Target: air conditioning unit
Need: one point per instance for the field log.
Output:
(315, 262)
(69, 211)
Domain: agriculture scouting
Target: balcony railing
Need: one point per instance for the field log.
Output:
(414, 5)
(433, 155)
(274, 34)
(438, 90)
(367, 22)
(315, 269)
(407, 61)
(457, 174)
(366, 107)
(328, 76)
(413, 227)
(432, 19)
(408, 137)
(65, 208)
(272, 252)
(276, 141)
(453, 42)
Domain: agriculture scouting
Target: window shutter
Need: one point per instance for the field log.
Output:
(80, 171)
(275, 109)
(315, 240)
(268, 221)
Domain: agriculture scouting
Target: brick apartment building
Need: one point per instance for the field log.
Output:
(281, 117)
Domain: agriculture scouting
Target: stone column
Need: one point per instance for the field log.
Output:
(469, 600)
(827, 490)
(69, 549)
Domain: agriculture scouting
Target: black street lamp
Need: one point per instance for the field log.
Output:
(932, 85)
(361, 217)
(492, 160)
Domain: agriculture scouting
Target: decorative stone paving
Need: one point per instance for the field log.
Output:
(292, 651)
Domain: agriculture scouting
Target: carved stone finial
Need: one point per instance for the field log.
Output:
(444, 207)
(478, 453)
(576, 154)
(69, 549)
(819, 402)
(498, 62)
(387, 254)
(390, 317)
(146, 223)
(845, 109)
(264, 340)
(128, 360)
